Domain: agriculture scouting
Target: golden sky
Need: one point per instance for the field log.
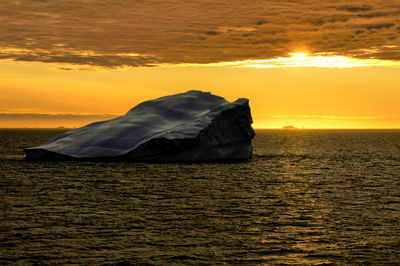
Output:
(311, 64)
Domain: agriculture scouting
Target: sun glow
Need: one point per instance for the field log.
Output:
(281, 95)
(317, 60)
(301, 59)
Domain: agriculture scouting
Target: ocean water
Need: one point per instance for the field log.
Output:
(307, 197)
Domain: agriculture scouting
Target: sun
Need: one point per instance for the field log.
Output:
(299, 56)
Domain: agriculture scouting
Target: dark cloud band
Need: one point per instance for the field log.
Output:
(110, 33)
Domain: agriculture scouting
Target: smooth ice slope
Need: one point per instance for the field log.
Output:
(191, 126)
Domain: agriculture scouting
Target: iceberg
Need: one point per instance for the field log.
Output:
(191, 126)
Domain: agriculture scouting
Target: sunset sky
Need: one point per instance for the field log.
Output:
(310, 64)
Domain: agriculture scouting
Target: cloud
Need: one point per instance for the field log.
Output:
(109, 33)
(376, 26)
(355, 8)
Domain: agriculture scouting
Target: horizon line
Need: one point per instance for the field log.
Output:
(259, 128)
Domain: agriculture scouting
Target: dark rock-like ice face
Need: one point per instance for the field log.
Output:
(191, 126)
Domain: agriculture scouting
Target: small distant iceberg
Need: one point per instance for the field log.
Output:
(290, 128)
(191, 126)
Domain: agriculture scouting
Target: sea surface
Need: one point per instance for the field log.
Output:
(307, 197)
